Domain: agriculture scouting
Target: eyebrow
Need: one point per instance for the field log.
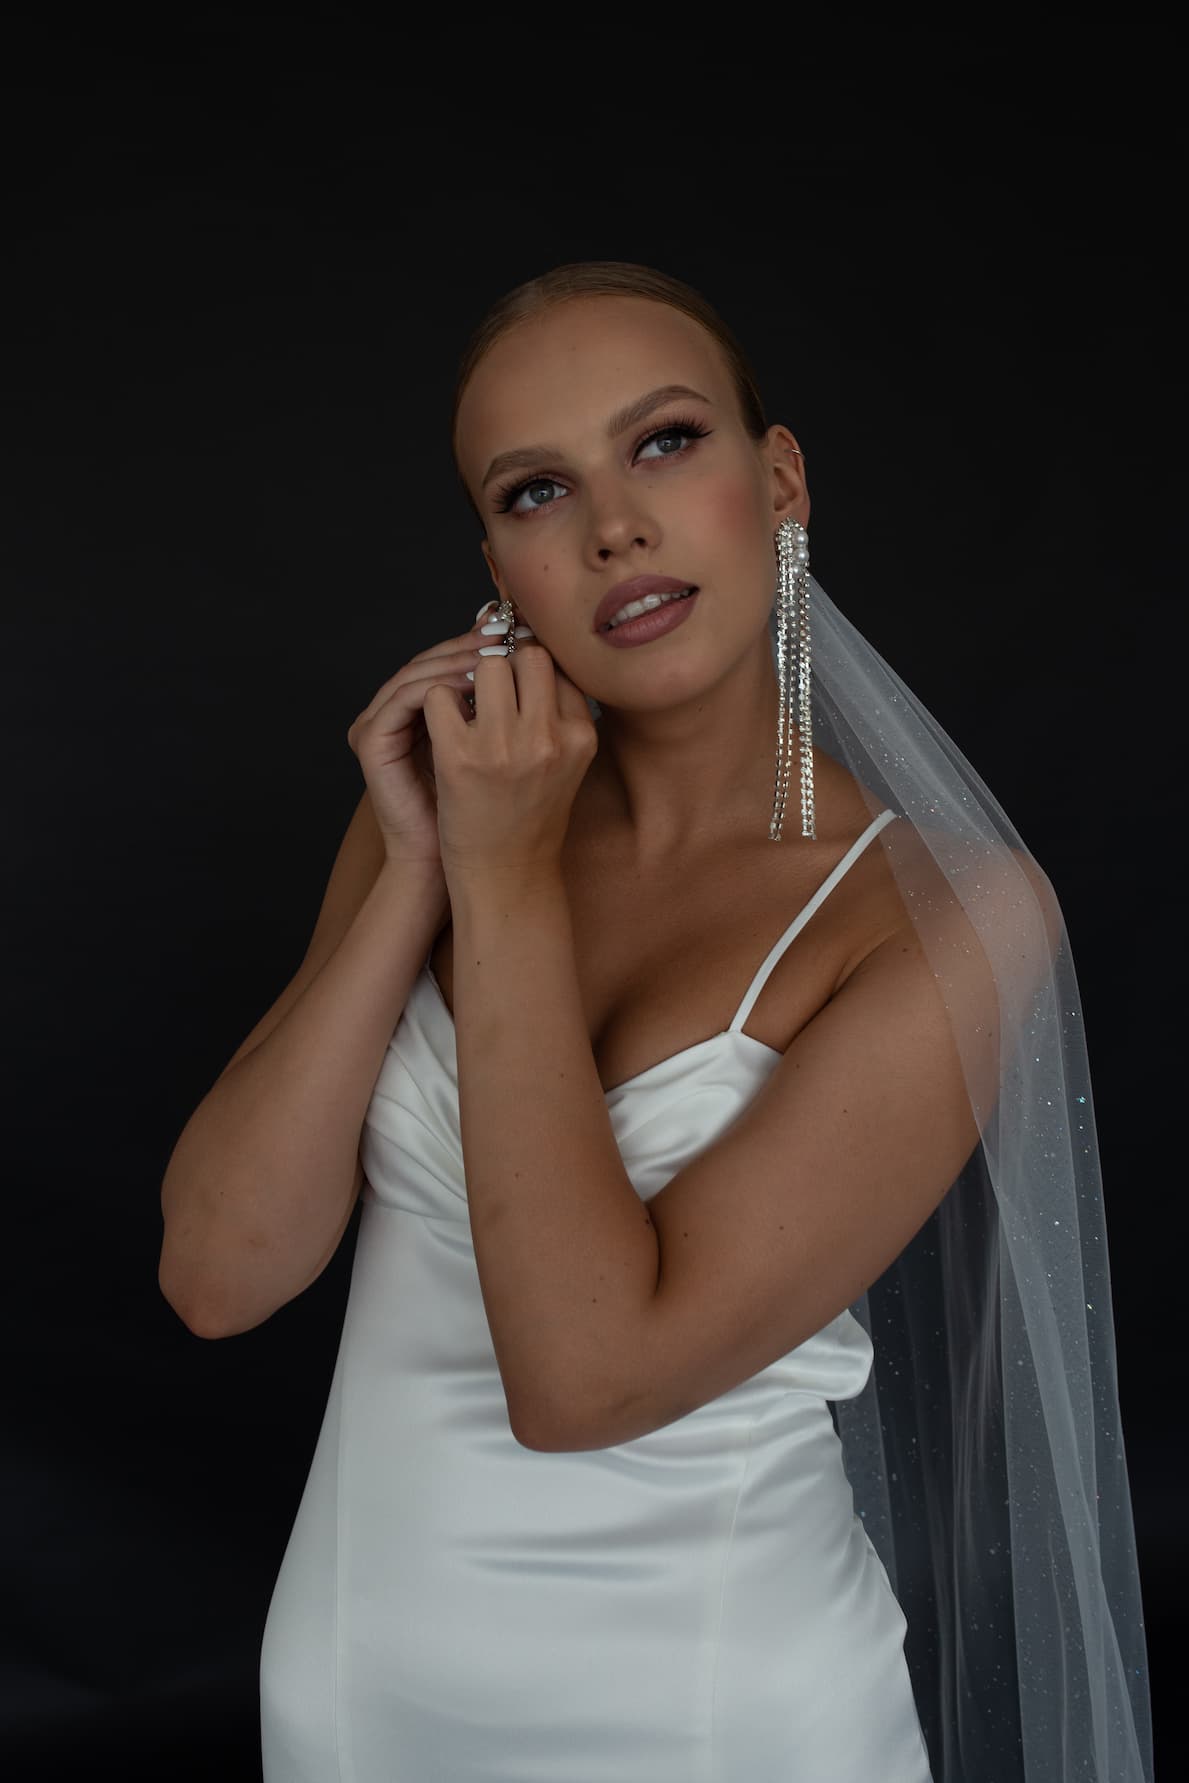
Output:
(527, 457)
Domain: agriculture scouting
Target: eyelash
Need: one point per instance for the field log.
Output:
(687, 425)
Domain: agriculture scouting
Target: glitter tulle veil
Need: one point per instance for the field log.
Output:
(986, 1452)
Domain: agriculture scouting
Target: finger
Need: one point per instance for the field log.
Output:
(440, 659)
(533, 672)
(561, 697)
(407, 697)
(495, 691)
(465, 644)
(443, 714)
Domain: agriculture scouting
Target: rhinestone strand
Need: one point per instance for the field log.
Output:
(506, 613)
(792, 629)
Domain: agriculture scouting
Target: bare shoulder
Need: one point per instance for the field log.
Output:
(981, 920)
(932, 874)
(770, 1232)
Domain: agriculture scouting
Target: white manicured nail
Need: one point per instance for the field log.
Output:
(498, 628)
(470, 674)
(494, 650)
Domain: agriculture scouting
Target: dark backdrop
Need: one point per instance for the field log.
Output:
(244, 258)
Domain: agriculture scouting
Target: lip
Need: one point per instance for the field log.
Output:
(654, 624)
(634, 590)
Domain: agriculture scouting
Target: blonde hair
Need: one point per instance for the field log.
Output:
(604, 278)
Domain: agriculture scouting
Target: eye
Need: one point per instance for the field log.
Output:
(686, 428)
(506, 497)
(667, 433)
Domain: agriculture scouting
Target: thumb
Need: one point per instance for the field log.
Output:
(443, 718)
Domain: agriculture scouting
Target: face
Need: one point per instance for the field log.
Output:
(683, 491)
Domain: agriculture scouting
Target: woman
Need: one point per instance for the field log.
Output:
(613, 1480)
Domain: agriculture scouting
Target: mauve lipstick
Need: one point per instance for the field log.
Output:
(650, 625)
(634, 589)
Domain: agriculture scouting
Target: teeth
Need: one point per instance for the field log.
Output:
(635, 608)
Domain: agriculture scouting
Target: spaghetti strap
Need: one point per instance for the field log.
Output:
(798, 923)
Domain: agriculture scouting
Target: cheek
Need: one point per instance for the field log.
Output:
(728, 509)
(733, 540)
(531, 573)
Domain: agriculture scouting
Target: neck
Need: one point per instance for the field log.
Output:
(675, 780)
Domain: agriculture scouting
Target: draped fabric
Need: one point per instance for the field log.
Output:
(700, 1604)
(986, 1450)
(905, 1550)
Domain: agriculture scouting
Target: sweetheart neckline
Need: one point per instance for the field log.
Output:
(629, 1082)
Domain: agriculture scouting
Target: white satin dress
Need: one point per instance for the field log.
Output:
(699, 1605)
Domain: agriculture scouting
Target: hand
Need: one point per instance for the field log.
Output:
(507, 781)
(392, 743)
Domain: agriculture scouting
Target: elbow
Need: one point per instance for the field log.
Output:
(563, 1442)
(564, 1421)
(543, 1444)
(541, 1417)
(197, 1315)
(189, 1276)
(525, 1432)
(195, 1319)
(580, 1429)
(201, 1326)
(532, 1431)
(556, 1435)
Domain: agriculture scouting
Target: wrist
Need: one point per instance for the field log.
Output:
(510, 888)
(424, 866)
(418, 873)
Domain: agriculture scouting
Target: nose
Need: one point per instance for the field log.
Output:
(605, 551)
(619, 525)
(617, 514)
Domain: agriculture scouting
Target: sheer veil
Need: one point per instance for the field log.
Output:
(986, 1452)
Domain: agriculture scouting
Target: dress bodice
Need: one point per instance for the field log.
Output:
(699, 1605)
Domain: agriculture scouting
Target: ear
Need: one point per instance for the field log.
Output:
(496, 577)
(485, 547)
(786, 469)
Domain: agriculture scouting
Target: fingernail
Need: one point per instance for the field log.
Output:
(485, 608)
(498, 628)
(494, 650)
(470, 674)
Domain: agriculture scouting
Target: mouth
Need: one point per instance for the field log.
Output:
(649, 604)
(658, 616)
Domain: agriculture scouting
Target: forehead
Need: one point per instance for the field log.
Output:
(561, 374)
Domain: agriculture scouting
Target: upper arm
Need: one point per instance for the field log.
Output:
(356, 868)
(776, 1229)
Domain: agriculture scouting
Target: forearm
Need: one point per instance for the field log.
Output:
(260, 1185)
(566, 1252)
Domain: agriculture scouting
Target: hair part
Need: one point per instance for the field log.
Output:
(604, 278)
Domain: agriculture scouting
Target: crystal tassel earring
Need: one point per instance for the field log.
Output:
(792, 628)
(505, 615)
(502, 624)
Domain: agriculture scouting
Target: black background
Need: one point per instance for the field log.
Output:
(243, 257)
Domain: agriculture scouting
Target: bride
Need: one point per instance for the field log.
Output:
(646, 1081)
